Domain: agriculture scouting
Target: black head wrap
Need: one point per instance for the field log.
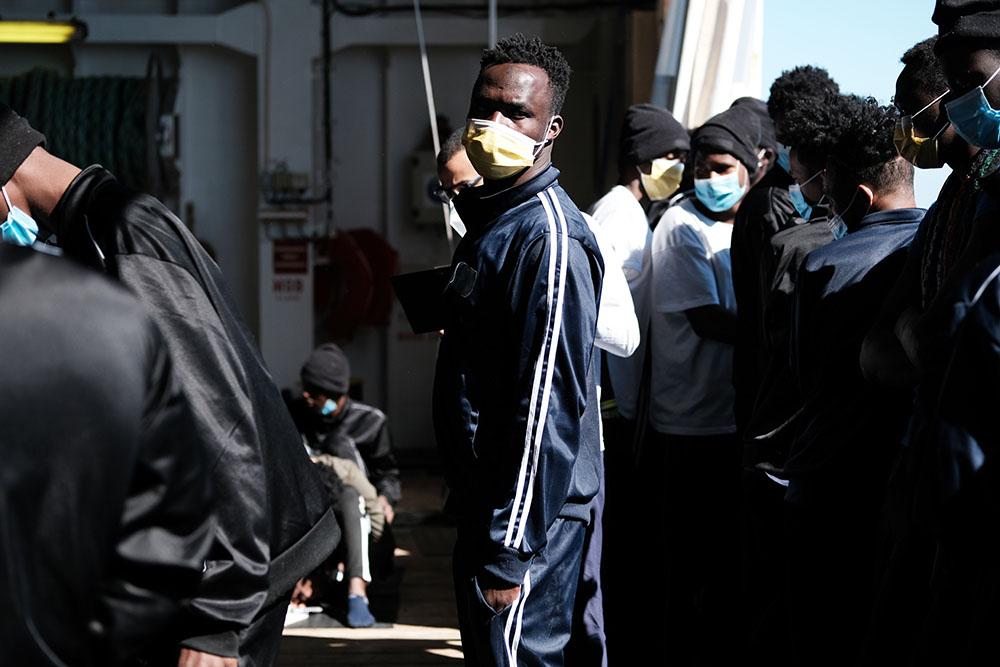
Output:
(328, 370)
(966, 20)
(759, 108)
(735, 131)
(17, 140)
(649, 132)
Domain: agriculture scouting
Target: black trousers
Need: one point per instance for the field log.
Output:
(832, 539)
(535, 630)
(355, 527)
(700, 486)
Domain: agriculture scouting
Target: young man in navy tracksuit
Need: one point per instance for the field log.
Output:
(515, 408)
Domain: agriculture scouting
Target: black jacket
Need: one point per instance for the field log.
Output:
(360, 433)
(848, 429)
(275, 523)
(778, 398)
(105, 504)
(766, 210)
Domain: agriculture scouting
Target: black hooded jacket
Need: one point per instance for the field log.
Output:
(105, 502)
(275, 523)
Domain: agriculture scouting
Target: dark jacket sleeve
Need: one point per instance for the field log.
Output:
(554, 318)
(967, 435)
(167, 524)
(381, 463)
(235, 585)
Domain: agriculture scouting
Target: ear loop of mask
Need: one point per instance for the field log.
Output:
(6, 199)
(936, 100)
(540, 145)
(813, 177)
(932, 103)
(986, 83)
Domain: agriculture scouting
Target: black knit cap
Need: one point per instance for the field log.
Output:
(650, 132)
(327, 370)
(735, 131)
(768, 139)
(966, 21)
(17, 140)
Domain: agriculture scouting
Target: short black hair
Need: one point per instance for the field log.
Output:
(796, 85)
(811, 127)
(451, 146)
(523, 50)
(926, 67)
(864, 152)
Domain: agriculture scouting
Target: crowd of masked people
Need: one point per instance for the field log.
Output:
(803, 366)
(739, 411)
(804, 474)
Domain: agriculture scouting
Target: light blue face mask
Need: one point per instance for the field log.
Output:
(804, 208)
(974, 119)
(329, 407)
(720, 193)
(19, 228)
(784, 157)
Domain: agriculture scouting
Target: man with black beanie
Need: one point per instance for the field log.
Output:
(693, 326)
(651, 159)
(768, 142)
(275, 524)
(333, 424)
(652, 151)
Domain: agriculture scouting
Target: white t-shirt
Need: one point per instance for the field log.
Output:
(692, 377)
(623, 222)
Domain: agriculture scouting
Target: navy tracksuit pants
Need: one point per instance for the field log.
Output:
(534, 631)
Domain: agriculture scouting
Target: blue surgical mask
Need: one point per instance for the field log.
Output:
(804, 208)
(329, 407)
(784, 157)
(974, 119)
(19, 228)
(837, 227)
(720, 193)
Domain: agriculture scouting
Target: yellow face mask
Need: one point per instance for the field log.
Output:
(497, 151)
(921, 152)
(664, 178)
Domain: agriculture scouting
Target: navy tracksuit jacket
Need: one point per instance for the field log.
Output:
(515, 407)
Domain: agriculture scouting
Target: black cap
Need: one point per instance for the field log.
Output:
(966, 20)
(17, 140)
(759, 107)
(650, 132)
(735, 131)
(327, 370)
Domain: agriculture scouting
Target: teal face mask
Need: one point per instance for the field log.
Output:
(974, 119)
(803, 207)
(720, 193)
(784, 158)
(19, 228)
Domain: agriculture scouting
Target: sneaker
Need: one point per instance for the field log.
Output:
(358, 615)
